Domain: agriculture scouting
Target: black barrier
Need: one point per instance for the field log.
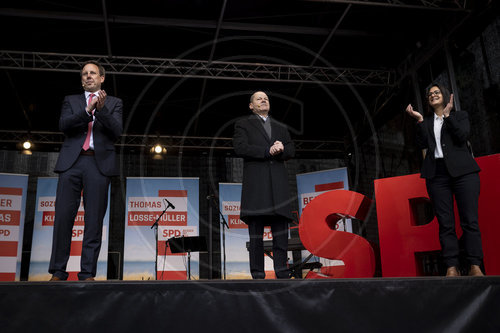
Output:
(460, 304)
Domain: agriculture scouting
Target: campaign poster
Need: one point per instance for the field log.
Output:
(13, 189)
(236, 237)
(43, 227)
(146, 249)
(312, 184)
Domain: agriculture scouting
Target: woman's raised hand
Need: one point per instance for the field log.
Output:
(448, 107)
(415, 114)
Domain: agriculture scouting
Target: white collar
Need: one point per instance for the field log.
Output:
(88, 93)
(263, 117)
(436, 117)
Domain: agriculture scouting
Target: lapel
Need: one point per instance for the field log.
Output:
(257, 123)
(82, 102)
(107, 101)
(430, 128)
(443, 129)
(274, 130)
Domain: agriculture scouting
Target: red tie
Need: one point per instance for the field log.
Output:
(86, 144)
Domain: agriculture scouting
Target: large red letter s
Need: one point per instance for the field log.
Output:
(317, 231)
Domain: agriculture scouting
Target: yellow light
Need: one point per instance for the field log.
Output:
(158, 149)
(27, 144)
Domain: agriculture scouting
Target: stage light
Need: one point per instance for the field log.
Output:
(158, 150)
(27, 145)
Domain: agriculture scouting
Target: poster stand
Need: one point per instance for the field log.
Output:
(187, 244)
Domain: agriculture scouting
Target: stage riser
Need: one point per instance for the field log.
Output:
(348, 305)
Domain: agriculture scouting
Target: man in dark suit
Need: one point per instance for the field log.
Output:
(265, 145)
(91, 123)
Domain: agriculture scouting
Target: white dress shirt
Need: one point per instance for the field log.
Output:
(438, 124)
(87, 96)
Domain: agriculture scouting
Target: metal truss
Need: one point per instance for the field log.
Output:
(40, 137)
(59, 62)
(174, 22)
(449, 5)
(180, 143)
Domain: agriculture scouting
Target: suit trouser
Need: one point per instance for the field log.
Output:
(279, 229)
(85, 175)
(465, 188)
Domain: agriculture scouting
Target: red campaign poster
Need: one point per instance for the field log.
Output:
(42, 236)
(150, 258)
(12, 211)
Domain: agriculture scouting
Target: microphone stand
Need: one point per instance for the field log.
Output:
(155, 226)
(212, 200)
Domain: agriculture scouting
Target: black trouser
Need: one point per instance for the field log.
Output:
(279, 229)
(85, 175)
(465, 188)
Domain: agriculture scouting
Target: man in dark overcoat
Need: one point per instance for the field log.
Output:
(265, 145)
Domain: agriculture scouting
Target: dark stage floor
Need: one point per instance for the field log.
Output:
(434, 304)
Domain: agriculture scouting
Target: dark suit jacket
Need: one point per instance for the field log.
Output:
(454, 135)
(265, 179)
(107, 128)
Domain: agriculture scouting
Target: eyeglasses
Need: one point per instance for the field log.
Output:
(435, 92)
